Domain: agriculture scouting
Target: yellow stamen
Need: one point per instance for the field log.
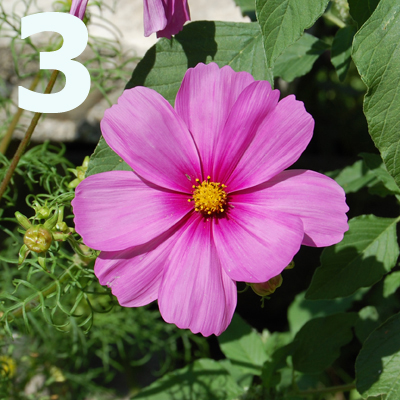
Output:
(209, 197)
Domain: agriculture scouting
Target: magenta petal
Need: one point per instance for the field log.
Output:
(250, 109)
(255, 244)
(166, 17)
(116, 210)
(196, 293)
(204, 102)
(78, 8)
(318, 200)
(134, 275)
(279, 142)
(146, 132)
(177, 13)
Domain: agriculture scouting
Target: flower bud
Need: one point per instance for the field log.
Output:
(267, 288)
(38, 239)
(22, 220)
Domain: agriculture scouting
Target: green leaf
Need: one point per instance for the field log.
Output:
(361, 10)
(367, 322)
(376, 166)
(302, 310)
(243, 379)
(376, 53)
(246, 6)
(284, 21)
(164, 65)
(341, 50)
(299, 58)
(391, 284)
(104, 159)
(243, 346)
(368, 251)
(377, 365)
(226, 43)
(318, 343)
(354, 177)
(204, 379)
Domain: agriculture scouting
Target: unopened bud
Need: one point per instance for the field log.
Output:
(23, 221)
(38, 239)
(42, 212)
(267, 288)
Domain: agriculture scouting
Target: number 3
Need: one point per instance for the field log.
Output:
(77, 86)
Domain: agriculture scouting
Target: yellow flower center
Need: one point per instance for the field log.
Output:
(209, 197)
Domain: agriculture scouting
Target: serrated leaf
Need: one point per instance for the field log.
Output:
(204, 379)
(376, 166)
(299, 58)
(391, 284)
(377, 365)
(318, 343)
(354, 177)
(368, 251)
(104, 159)
(164, 65)
(341, 50)
(376, 53)
(284, 21)
(367, 322)
(361, 10)
(243, 346)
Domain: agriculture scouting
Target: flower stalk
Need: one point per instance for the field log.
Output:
(25, 141)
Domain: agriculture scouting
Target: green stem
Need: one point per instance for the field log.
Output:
(335, 20)
(332, 389)
(7, 137)
(24, 143)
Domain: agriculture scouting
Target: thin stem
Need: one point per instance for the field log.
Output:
(24, 143)
(45, 292)
(330, 17)
(7, 137)
(332, 389)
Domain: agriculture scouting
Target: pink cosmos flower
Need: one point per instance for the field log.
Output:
(166, 17)
(209, 202)
(78, 8)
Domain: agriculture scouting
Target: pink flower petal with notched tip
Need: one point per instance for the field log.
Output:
(78, 8)
(281, 138)
(254, 244)
(204, 101)
(196, 293)
(166, 17)
(253, 105)
(116, 210)
(134, 275)
(318, 200)
(146, 132)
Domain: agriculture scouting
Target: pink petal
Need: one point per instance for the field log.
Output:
(146, 132)
(255, 244)
(196, 293)
(154, 18)
(204, 101)
(116, 210)
(279, 142)
(318, 200)
(250, 109)
(78, 8)
(177, 13)
(134, 275)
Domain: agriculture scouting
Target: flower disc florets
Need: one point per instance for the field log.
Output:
(209, 197)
